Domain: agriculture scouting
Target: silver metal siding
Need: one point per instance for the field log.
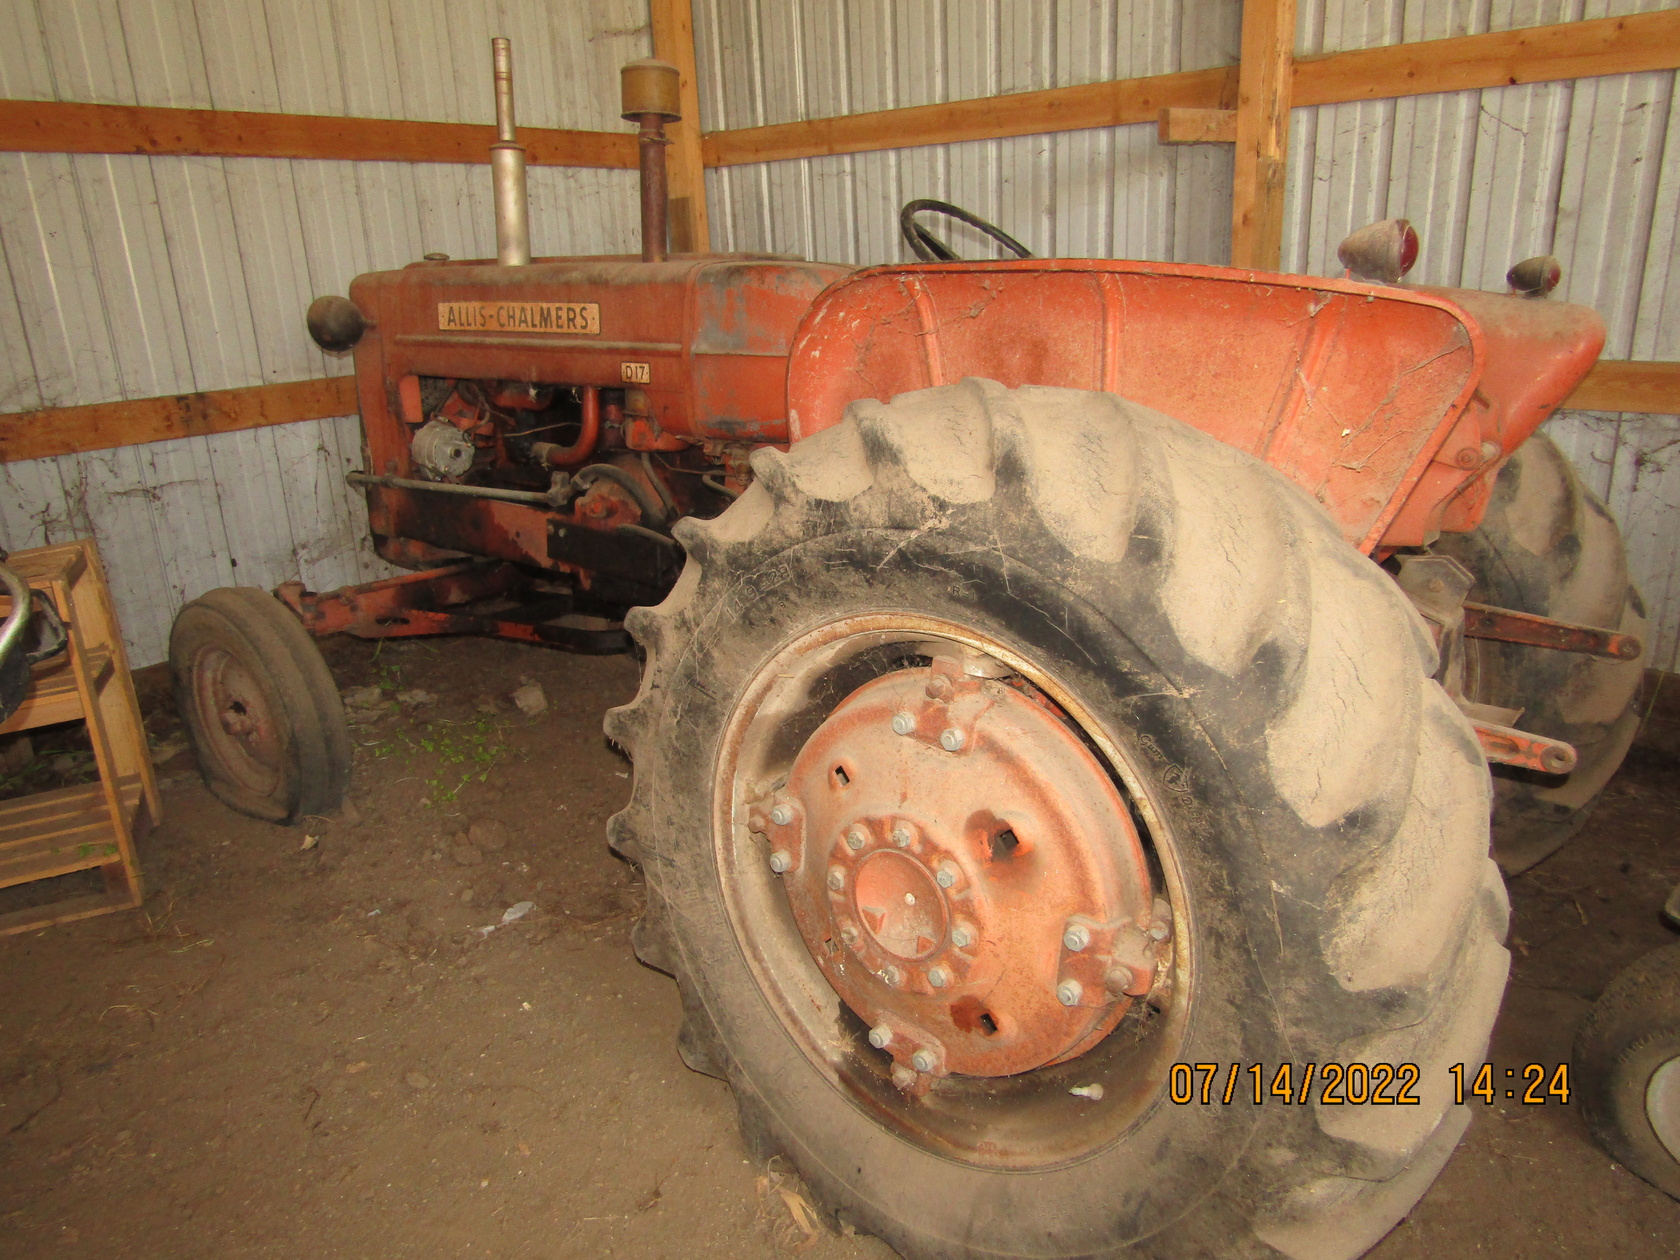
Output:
(131, 277)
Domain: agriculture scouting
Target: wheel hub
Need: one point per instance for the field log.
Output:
(965, 874)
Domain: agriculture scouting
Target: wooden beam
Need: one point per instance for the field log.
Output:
(1641, 388)
(1536, 54)
(673, 41)
(1197, 126)
(1018, 114)
(70, 430)
(57, 127)
(1264, 84)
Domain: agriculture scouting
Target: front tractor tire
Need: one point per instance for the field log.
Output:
(264, 714)
(999, 745)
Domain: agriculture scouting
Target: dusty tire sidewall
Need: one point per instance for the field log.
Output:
(1173, 1164)
(199, 628)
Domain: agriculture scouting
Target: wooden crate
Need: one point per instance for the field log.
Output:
(95, 825)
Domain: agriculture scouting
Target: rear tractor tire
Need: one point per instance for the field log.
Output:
(998, 751)
(262, 709)
(1548, 546)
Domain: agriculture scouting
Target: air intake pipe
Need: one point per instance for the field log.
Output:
(648, 91)
(507, 167)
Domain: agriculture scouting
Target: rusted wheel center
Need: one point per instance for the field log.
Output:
(965, 874)
(236, 720)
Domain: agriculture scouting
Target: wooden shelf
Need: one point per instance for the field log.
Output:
(54, 833)
(92, 826)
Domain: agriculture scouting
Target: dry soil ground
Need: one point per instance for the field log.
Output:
(303, 1048)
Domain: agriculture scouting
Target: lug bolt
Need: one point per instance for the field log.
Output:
(951, 739)
(757, 823)
(1159, 932)
(938, 687)
(947, 876)
(836, 878)
(781, 861)
(1068, 992)
(782, 814)
(938, 977)
(923, 1061)
(892, 976)
(1119, 978)
(880, 1036)
(849, 934)
(901, 836)
(961, 937)
(903, 723)
(1077, 937)
(856, 838)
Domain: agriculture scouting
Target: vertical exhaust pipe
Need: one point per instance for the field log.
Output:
(507, 168)
(648, 90)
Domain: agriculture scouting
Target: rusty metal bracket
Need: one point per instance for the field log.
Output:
(430, 602)
(1511, 747)
(1509, 626)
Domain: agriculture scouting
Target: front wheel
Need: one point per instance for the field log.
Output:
(1627, 1063)
(1002, 755)
(263, 712)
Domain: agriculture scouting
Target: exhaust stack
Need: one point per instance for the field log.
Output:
(648, 91)
(507, 168)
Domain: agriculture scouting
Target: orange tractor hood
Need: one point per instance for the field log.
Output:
(1392, 406)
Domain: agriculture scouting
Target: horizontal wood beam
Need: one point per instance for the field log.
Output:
(1535, 54)
(58, 127)
(1641, 388)
(101, 426)
(1078, 108)
(1538, 54)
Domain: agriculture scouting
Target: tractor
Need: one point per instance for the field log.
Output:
(1075, 695)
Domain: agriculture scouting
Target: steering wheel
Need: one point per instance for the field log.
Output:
(929, 248)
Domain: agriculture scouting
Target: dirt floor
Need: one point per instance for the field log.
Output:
(304, 1047)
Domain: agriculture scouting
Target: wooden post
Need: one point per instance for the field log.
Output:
(1264, 84)
(673, 41)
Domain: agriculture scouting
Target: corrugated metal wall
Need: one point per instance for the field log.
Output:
(1586, 171)
(131, 277)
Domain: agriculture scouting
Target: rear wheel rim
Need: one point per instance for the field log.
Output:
(238, 721)
(812, 866)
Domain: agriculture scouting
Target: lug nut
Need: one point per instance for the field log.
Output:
(951, 739)
(938, 687)
(923, 1061)
(781, 861)
(856, 838)
(938, 977)
(849, 933)
(1068, 992)
(903, 723)
(1159, 932)
(892, 976)
(836, 878)
(1118, 979)
(961, 937)
(901, 836)
(782, 814)
(947, 876)
(1077, 937)
(880, 1036)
